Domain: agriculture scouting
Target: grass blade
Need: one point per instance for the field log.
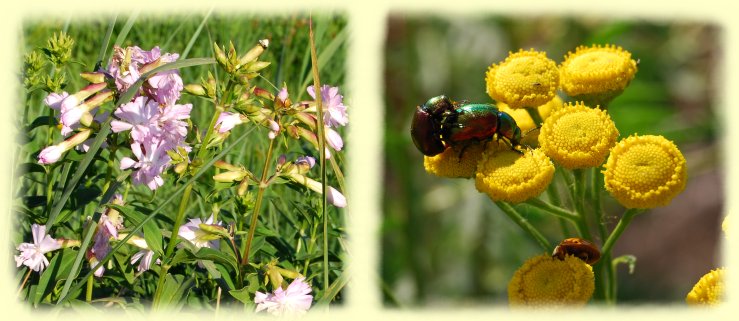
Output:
(106, 43)
(195, 35)
(126, 28)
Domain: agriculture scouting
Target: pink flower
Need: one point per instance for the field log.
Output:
(228, 121)
(335, 114)
(54, 100)
(146, 257)
(32, 254)
(306, 160)
(165, 87)
(139, 116)
(333, 139)
(192, 232)
(51, 154)
(173, 128)
(274, 129)
(295, 300)
(152, 161)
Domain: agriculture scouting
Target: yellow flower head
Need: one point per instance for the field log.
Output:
(709, 290)
(645, 171)
(544, 280)
(449, 163)
(578, 136)
(522, 117)
(524, 79)
(507, 175)
(596, 73)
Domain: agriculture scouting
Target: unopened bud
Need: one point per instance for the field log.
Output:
(93, 77)
(196, 90)
(254, 52)
(230, 176)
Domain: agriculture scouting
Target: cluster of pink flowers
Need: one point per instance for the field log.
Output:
(156, 122)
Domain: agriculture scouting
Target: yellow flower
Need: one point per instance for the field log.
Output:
(507, 175)
(709, 290)
(449, 164)
(524, 79)
(522, 118)
(544, 280)
(578, 136)
(645, 172)
(596, 74)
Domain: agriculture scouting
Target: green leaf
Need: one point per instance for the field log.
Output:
(217, 256)
(153, 237)
(242, 295)
(59, 267)
(334, 289)
(41, 121)
(174, 291)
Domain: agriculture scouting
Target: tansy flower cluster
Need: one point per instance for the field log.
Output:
(561, 113)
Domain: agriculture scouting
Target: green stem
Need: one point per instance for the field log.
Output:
(534, 113)
(88, 294)
(172, 242)
(620, 227)
(257, 205)
(554, 210)
(578, 200)
(604, 277)
(322, 151)
(524, 224)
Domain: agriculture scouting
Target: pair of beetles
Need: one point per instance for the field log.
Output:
(441, 123)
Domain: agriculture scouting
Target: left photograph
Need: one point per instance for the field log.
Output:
(191, 162)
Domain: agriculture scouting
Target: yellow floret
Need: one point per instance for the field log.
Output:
(596, 74)
(547, 281)
(709, 290)
(578, 136)
(523, 79)
(449, 164)
(645, 172)
(513, 177)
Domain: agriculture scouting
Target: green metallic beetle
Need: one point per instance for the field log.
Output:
(441, 123)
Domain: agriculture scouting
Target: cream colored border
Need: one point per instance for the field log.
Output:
(364, 173)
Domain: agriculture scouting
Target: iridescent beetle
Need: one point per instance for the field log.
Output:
(441, 123)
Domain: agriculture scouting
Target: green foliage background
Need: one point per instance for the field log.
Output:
(289, 224)
(446, 244)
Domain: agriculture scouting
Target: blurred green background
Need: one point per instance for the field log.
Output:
(445, 244)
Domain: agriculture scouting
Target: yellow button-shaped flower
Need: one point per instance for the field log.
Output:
(507, 175)
(523, 79)
(578, 136)
(596, 73)
(522, 117)
(450, 164)
(645, 171)
(547, 281)
(709, 290)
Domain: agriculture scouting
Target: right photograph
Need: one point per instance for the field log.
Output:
(540, 160)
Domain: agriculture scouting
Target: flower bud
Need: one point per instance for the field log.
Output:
(196, 90)
(93, 77)
(214, 231)
(230, 176)
(254, 52)
(257, 66)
